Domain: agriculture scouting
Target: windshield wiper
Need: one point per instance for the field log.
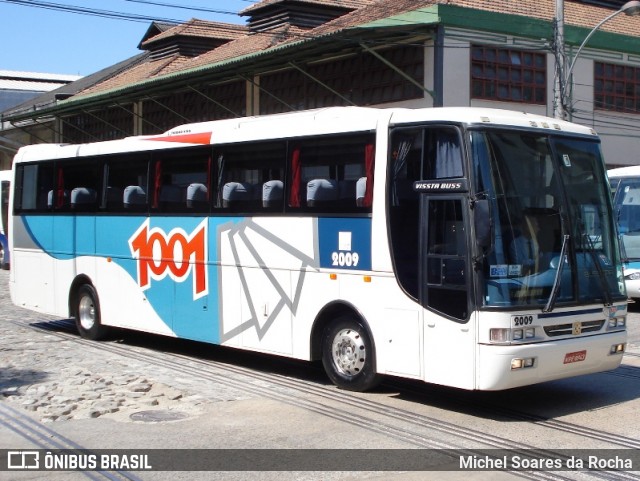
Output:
(603, 280)
(556, 282)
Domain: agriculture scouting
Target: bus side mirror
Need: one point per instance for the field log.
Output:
(482, 223)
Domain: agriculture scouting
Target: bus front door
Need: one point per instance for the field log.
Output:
(449, 337)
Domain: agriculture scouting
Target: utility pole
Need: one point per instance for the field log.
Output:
(558, 51)
(563, 84)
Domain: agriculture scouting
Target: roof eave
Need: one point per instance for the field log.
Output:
(256, 62)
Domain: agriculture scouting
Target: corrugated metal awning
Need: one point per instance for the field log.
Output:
(29, 85)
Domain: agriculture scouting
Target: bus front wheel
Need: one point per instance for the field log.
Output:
(87, 314)
(348, 356)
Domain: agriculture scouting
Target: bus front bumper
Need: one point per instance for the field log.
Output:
(505, 367)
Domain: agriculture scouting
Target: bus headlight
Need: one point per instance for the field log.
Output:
(634, 276)
(617, 322)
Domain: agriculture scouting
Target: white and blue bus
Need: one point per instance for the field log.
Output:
(380, 241)
(625, 187)
(5, 188)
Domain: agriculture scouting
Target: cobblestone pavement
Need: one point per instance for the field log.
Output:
(56, 380)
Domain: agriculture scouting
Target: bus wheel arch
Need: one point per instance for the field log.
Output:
(84, 307)
(342, 340)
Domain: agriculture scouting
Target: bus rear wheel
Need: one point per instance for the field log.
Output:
(87, 314)
(3, 263)
(348, 355)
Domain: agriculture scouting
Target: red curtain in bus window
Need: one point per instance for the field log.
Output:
(157, 184)
(296, 178)
(369, 159)
(209, 174)
(60, 189)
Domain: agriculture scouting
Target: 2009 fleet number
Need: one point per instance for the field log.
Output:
(345, 259)
(522, 320)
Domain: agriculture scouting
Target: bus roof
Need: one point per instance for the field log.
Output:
(330, 120)
(630, 171)
(486, 116)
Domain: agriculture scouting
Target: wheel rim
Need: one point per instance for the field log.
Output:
(87, 312)
(349, 352)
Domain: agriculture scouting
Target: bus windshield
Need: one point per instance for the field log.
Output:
(627, 203)
(551, 221)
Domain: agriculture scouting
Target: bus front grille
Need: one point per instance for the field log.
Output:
(568, 329)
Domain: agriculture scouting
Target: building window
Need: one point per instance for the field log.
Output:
(508, 75)
(617, 87)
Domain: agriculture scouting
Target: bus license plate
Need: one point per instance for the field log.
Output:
(575, 357)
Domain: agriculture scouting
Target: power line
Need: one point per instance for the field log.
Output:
(184, 7)
(112, 14)
(133, 17)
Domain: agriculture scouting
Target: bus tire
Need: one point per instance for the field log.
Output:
(87, 314)
(348, 355)
(3, 264)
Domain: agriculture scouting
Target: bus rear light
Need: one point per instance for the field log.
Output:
(617, 349)
(522, 363)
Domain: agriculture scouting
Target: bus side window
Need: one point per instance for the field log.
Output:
(443, 154)
(126, 184)
(419, 154)
(325, 172)
(174, 173)
(404, 208)
(33, 184)
(75, 186)
(249, 177)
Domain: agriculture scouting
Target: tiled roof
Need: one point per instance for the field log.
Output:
(201, 29)
(588, 16)
(346, 4)
(576, 14)
(146, 70)
(154, 29)
(250, 44)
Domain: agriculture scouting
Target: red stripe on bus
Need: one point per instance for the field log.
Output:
(200, 138)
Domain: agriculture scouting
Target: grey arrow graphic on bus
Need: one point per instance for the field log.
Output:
(259, 280)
